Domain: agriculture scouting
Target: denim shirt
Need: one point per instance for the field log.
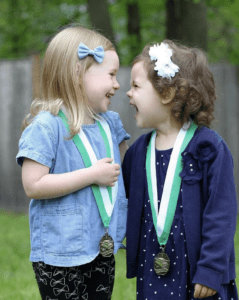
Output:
(66, 231)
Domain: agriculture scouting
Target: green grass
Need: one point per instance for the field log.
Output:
(17, 280)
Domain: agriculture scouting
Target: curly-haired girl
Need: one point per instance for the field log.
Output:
(179, 181)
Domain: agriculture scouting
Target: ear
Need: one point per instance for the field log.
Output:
(168, 95)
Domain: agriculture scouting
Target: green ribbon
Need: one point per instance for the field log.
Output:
(101, 194)
(163, 219)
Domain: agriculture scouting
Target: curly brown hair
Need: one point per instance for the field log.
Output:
(195, 92)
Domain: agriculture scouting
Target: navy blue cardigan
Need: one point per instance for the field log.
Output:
(209, 206)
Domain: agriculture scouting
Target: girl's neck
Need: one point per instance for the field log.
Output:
(167, 134)
(88, 120)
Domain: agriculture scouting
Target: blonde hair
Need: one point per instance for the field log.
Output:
(62, 75)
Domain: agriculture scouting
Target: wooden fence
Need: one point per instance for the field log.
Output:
(19, 84)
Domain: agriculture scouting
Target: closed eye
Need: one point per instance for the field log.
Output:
(113, 73)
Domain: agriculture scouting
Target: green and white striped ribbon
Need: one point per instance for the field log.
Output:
(105, 196)
(163, 217)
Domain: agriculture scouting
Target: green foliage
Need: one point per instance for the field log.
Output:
(223, 28)
(223, 33)
(152, 26)
(218, 3)
(26, 25)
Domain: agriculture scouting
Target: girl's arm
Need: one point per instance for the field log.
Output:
(218, 221)
(39, 184)
(123, 148)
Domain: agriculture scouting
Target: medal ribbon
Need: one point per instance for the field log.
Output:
(105, 196)
(163, 217)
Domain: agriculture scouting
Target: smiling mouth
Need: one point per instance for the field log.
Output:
(136, 108)
(109, 95)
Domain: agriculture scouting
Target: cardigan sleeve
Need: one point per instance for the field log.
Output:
(130, 250)
(126, 170)
(133, 172)
(218, 221)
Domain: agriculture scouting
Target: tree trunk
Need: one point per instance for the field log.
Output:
(134, 28)
(100, 18)
(187, 22)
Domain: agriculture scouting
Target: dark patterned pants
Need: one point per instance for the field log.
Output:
(93, 281)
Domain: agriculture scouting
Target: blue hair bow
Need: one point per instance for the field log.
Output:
(98, 53)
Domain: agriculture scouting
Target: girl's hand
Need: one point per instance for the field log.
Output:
(202, 291)
(106, 174)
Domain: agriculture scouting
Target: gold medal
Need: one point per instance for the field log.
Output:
(106, 245)
(161, 263)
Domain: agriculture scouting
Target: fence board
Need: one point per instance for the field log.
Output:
(15, 99)
(227, 110)
(16, 95)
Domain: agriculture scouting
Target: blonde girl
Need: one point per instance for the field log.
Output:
(70, 156)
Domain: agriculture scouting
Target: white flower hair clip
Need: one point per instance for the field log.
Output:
(163, 65)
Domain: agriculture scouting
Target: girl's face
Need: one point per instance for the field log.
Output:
(100, 82)
(150, 111)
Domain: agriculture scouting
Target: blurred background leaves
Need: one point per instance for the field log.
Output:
(27, 25)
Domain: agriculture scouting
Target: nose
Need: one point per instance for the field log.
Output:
(129, 94)
(116, 85)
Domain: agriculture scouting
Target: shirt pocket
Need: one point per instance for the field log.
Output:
(62, 230)
(122, 219)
